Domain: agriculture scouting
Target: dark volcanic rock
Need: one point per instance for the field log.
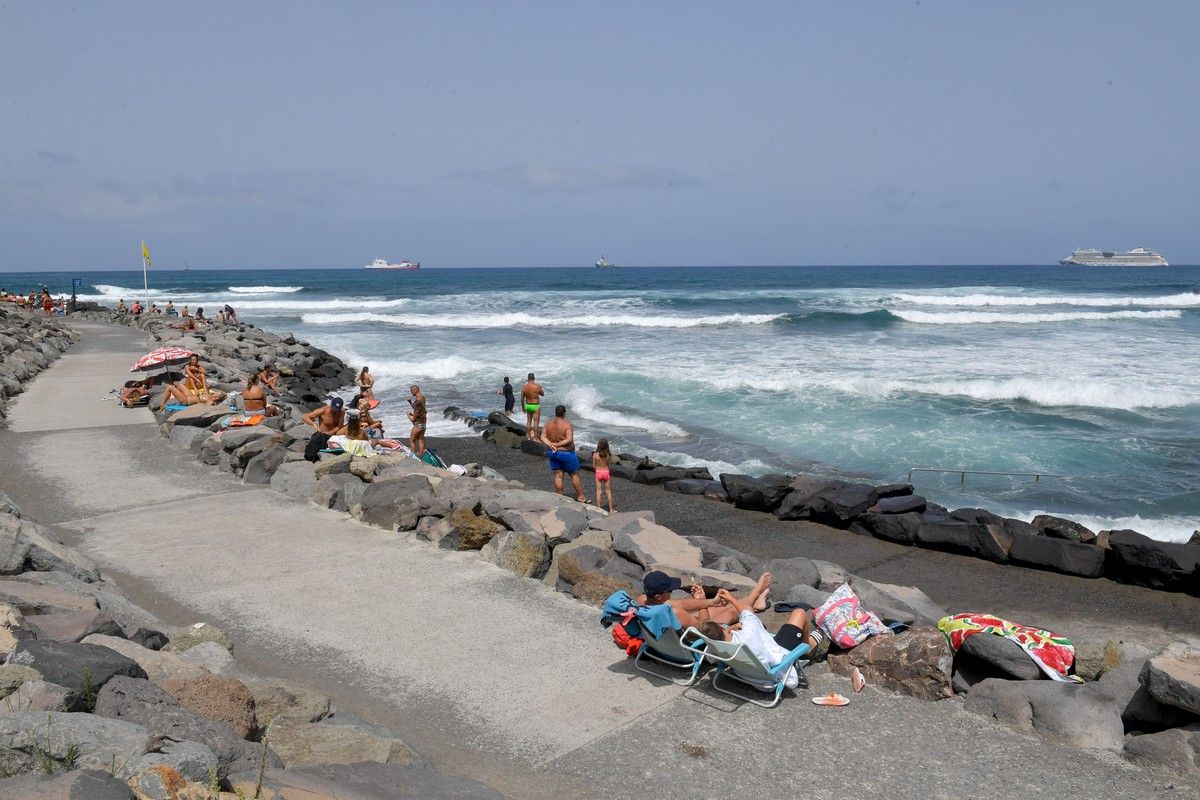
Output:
(75, 665)
(900, 528)
(837, 504)
(533, 448)
(143, 703)
(944, 532)
(756, 494)
(1060, 528)
(714, 490)
(1060, 555)
(900, 504)
(395, 503)
(916, 662)
(1003, 654)
(1138, 559)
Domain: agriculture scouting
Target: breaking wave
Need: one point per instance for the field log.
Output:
(1164, 529)
(992, 318)
(521, 319)
(586, 402)
(1190, 299)
(265, 289)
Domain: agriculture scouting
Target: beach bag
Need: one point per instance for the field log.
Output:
(622, 637)
(844, 619)
(316, 443)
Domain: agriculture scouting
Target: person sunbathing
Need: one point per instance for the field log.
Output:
(254, 397)
(770, 650)
(354, 440)
(185, 324)
(698, 608)
(136, 392)
(370, 425)
(195, 383)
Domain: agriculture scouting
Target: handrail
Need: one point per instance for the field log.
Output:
(1037, 476)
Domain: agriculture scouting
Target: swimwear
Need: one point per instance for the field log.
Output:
(563, 461)
(602, 474)
(531, 408)
(419, 426)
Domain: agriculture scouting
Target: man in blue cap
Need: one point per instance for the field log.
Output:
(694, 610)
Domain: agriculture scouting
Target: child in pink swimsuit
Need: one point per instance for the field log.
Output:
(600, 460)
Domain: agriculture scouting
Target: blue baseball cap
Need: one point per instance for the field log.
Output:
(657, 582)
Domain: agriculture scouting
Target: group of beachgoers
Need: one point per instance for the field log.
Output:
(36, 299)
(355, 430)
(187, 320)
(559, 438)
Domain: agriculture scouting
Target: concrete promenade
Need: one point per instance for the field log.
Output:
(484, 673)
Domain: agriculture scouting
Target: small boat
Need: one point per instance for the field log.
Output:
(404, 264)
(603, 264)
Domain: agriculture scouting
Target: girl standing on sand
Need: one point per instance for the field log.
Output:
(365, 383)
(601, 460)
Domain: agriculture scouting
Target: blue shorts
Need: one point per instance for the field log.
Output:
(563, 461)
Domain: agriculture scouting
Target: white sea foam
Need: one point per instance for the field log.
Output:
(439, 369)
(1042, 391)
(448, 428)
(992, 318)
(1164, 529)
(1186, 299)
(586, 402)
(321, 305)
(265, 289)
(522, 319)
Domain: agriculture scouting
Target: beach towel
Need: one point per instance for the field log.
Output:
(242, 422)
(172, 407)
(1054, 654)
(655, 619)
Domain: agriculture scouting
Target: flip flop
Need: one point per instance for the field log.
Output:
(857, 680)
(831, 699)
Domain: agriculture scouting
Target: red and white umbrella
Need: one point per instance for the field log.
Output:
(162, 357)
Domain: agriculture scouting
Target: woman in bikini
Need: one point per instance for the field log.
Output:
(254, 398)
(195, 383)
(602, 460)
(365, 383)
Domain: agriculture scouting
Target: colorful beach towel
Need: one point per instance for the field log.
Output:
(242, 421)
(1054, 654)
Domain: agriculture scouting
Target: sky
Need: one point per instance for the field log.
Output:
(301, 134)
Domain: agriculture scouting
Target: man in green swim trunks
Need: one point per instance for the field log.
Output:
(531, 398)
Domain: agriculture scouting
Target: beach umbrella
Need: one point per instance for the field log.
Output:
(162, 357)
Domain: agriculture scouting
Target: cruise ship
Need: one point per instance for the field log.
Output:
(405, 264)
(1137, 257)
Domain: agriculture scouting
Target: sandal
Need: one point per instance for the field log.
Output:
(831, 699)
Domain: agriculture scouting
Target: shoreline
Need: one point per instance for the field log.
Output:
(756, 535)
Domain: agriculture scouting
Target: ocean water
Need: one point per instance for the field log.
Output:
(1090, 374)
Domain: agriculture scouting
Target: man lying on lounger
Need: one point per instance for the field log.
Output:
(771, 650)
(697, 609)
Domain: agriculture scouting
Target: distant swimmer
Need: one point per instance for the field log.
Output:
(510, 401)
(531, 398)
(416, 439)
(559, 436)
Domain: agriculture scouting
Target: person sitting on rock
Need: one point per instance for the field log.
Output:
(254, 398)
(770, 650)
(121, 307)
(195, 383)
(697, 609)
(268, 378)
(371, 426)
(354, 440)
(328, 421)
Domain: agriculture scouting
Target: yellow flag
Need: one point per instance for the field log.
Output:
(146, 253)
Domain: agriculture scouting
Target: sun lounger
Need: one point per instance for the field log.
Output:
(668, 649)
(739, 663)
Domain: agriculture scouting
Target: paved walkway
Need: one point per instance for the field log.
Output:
(486, 674)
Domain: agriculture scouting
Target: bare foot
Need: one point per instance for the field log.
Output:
(761, 590)
(697, 591)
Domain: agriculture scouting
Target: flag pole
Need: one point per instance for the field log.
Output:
(145, 280)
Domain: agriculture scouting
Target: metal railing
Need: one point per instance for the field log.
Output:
(1037, 476)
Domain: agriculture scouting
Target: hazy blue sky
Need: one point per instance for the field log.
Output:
(271, 134)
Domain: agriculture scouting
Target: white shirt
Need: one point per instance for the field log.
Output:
(756, 639)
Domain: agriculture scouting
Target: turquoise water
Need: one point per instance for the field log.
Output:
(1087, 373)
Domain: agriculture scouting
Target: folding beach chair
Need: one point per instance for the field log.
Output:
(736, 661)
(668, 649)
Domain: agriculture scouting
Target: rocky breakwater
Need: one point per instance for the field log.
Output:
(29, 342)
(894, 512)
(101, 700)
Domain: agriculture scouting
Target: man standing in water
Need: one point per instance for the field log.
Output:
(531, 398)
(510, 401)
(559, 436)
(416, 439)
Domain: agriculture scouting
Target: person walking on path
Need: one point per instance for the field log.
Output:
(510, 401)
(416, 439)
(602, 461)
(531, 399)
(559, 436)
